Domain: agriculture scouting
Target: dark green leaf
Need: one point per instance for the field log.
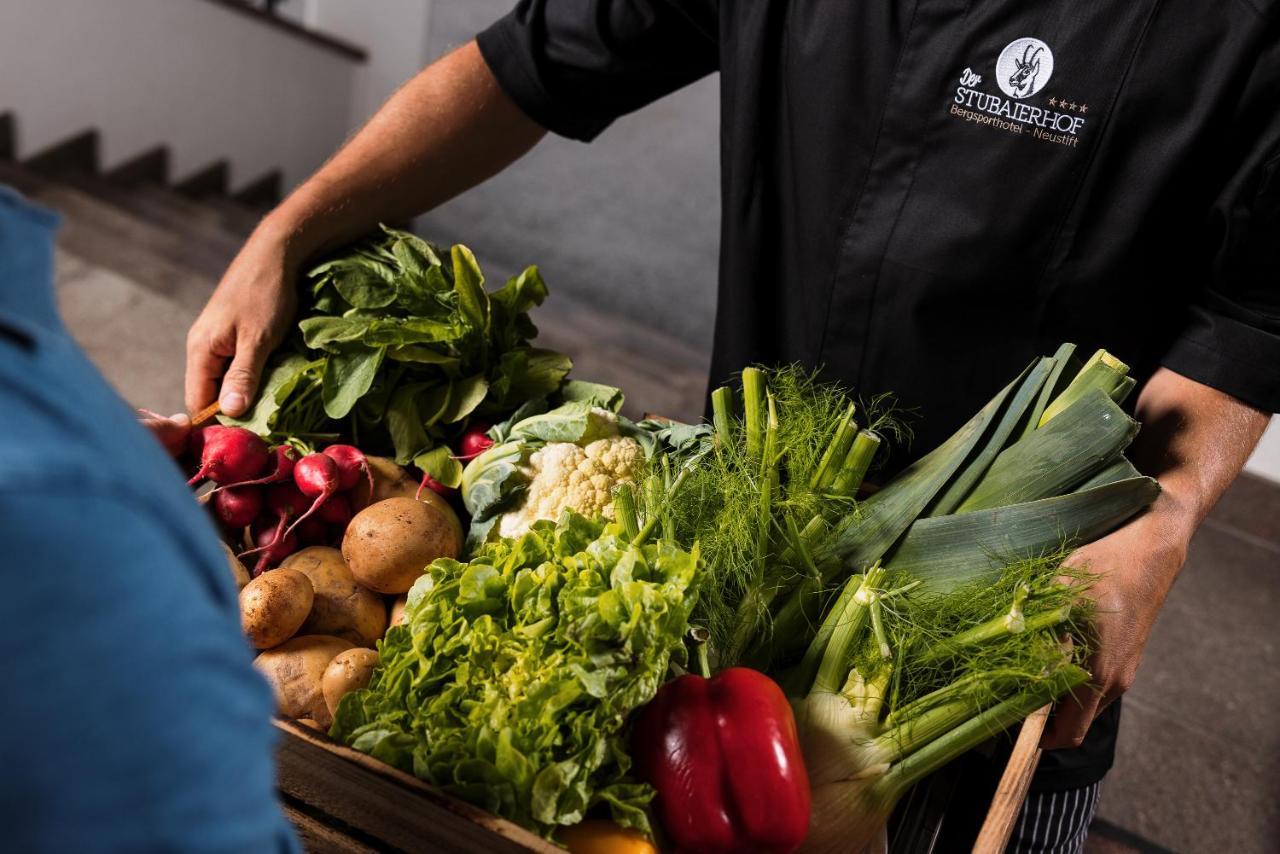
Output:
(347, 376)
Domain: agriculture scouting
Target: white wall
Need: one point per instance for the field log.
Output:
(207, 81)
(395, 34)
(1266, 459)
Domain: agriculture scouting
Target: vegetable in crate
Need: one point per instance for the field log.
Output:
(1039, 468)
(898, 683)
(724, 757)
(572, 457)
(511, 682)
(397, 347)
(789, 457)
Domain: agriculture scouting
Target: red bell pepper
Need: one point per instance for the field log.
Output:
(724, 757)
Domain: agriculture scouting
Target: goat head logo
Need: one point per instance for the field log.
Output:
(1024, 67)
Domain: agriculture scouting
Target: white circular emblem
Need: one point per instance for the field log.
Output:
(1024, 67)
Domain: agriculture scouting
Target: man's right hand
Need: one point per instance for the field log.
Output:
(247, 316)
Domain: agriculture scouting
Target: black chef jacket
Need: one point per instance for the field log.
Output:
(922, 196)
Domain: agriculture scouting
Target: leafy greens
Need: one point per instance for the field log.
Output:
(511, 680)
(398, 346)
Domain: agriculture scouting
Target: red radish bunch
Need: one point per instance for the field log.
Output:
(285, 499)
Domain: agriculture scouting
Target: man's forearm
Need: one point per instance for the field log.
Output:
(446, 130)
(1194, 440)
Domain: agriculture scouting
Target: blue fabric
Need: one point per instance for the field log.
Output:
(132, 718)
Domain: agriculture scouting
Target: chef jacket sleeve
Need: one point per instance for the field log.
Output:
(573, 66)
(1231, 336)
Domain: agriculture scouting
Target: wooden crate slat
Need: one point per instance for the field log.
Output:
(384, 803)
(1013, 787)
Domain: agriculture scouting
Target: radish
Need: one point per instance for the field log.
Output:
(475, 441)
(231, 455)
(284, 502)
(351, 462)
(429, 482)
(273, 546)
(196, 439)
(313, 532)
(316, 475)
(237, 506)
(286, 456)
(336, 510)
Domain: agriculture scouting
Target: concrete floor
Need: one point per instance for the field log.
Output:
(1199, 755)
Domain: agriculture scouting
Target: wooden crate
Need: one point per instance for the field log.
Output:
(340, 800)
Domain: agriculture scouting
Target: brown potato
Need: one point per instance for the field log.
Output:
(238, 572)
(392, 481)
(390, 543)
(349, 671)
(397, 609)
(342, 607)
(295, 669)
(274, 606)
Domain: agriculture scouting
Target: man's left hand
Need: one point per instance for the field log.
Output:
(1134, 569)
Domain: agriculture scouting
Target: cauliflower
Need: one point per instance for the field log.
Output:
(566, 475)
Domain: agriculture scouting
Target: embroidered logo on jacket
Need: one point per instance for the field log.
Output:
(1024, 67)
(1022, 71)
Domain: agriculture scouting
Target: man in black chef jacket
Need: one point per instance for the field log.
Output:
(918, 196)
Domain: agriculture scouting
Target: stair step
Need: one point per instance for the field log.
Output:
(239, 219)
(205, 242)
(262, 192)
(77, 153)
(212, 180)
(151, 166)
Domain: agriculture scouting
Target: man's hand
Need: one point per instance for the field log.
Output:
(1134, 569)
(245, 319)
(1194, 440)
(171, 432)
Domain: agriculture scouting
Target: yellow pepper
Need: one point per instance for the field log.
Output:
(601, 836)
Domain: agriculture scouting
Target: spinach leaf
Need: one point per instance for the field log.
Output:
(347, 377)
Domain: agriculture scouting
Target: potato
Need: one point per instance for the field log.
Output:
(295, 669)
(397, 609)
(391, 481)
(274, 606)
(349, 671)
(238, 572)
(390, 543)
(341, 607)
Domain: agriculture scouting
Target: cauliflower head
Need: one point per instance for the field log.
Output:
(565, 475)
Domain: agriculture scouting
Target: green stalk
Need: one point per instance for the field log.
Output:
(856, 463)
(754, 388)
(658, 509)
(755, 599)
(700, 637)
(877, 626)
(944, 694)
(1103, 371)
(969, 734)
(829, 653)
(624, 509)
(923, 728)
(809, 536)
(829, 467)
(996, 627)
(723, 405)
